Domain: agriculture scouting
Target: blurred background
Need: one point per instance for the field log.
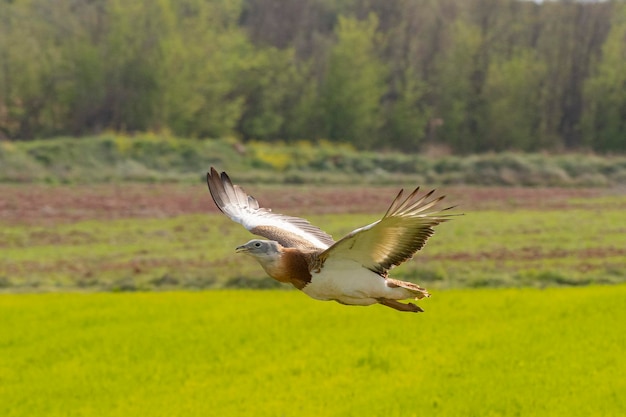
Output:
(452, 76)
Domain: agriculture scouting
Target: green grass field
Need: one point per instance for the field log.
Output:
(484, 248)
(551, 344)
(488, 352)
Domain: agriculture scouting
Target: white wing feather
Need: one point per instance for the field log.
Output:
(244, 209)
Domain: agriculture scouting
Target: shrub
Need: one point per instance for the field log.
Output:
(151, 157)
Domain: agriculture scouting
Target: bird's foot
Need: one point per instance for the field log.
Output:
(397, 305)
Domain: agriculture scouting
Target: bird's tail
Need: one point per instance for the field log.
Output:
(415, 290)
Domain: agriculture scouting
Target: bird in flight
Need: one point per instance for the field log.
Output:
(353, 270)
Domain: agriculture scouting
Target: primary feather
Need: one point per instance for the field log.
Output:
(395, 238)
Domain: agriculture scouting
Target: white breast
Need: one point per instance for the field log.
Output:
(350, 283)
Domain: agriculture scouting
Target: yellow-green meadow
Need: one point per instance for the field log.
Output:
(104, 313)
(487, 352)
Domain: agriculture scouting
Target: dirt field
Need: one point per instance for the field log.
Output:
(48, 205)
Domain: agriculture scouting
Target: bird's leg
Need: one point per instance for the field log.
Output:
(397, 305)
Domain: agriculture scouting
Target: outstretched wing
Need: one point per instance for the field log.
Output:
(395, 238)
(242, 208)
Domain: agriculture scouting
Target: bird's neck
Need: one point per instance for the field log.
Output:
(270, 264)
(289, 266)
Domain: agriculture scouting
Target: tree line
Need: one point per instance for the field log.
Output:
(463, 75)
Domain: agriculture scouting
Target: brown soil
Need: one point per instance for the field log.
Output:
(40, 204)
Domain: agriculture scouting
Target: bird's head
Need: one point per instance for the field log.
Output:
(260, 249)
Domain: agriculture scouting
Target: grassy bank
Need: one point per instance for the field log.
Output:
(113, 158)
(556, 352)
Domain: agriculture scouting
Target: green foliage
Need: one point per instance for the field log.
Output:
(407, 117)
(513, 89)
(457, 101)
(605, 120)
(271, 84)
(152, 157)
(466, 76)
(233, 353)
(351, 99)
(128, 66)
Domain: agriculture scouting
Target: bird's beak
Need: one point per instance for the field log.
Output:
(242, 248)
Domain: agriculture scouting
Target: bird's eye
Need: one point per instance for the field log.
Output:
(258, 244)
